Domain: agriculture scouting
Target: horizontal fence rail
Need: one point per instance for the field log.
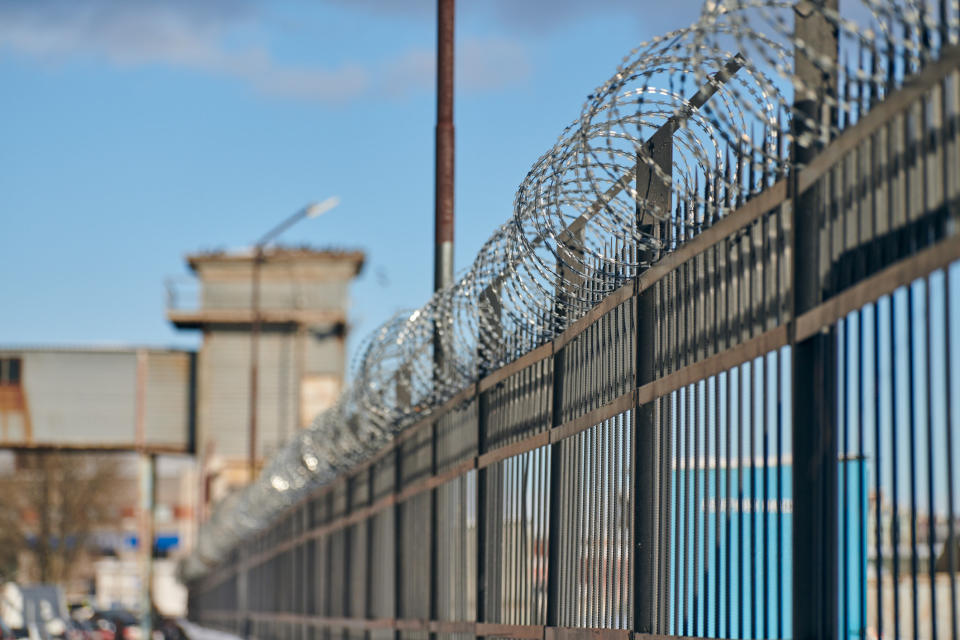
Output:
(635, 476)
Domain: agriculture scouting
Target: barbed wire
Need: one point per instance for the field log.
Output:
(691, 125)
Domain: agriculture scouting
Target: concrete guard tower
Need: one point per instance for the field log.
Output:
(303, 303)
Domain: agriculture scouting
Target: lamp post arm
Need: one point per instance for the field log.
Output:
(280, 228)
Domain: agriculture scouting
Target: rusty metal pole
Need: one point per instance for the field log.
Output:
(443, 208)
(443, 247)
(148, 505)
(254, 357)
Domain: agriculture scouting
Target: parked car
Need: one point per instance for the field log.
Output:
(108, 630)
(168, 627)
(126, 625)
(88, 630)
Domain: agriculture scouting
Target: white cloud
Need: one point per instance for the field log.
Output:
(414, 70)
(535, 17)
(181, 33)
(494, 63)
(482, 64)
(199, 35)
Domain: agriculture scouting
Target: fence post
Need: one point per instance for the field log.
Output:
(553, 498)
(481, 510)
(434, 529)
(815, 570)
(652, 194)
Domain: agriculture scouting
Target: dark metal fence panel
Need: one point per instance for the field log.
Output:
(382, 565)
(416, 457)
(898, 495)
(729, 292)
(518, 405)
(636, 472)
(594, 526)
(723, 568)
(457, 435)
(457, 549)
(336, 567)
(517, 513)
(414, 561)
(384, 476)
(599, 364)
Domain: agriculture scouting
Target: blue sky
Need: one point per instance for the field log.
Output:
(136, 132)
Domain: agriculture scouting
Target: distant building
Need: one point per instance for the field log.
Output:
(304, 301)
(102, 405)
(97, 398)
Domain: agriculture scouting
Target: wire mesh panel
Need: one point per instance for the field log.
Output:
(516, 518)
(899, 371)
(519, 405)
(595, 527)
(457, 549)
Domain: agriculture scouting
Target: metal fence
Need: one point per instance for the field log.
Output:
(705, 451)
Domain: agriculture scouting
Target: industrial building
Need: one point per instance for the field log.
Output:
(127, 409)
(171, 425)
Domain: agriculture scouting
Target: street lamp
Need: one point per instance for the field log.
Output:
(313, 210)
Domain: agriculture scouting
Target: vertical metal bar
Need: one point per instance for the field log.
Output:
(594, 524)
(743, 467)
(931, 503)
(556, 471)
(894, 450)
(603, 524)
(481, 524)
(728, 516)
(878, 461)
(861, 476)
(843, 338)
(951, 539)
(434, 525)
(717, 509)
(752, 430)
(912, 453)
(646, 483)
(814, 468)
(695, 506)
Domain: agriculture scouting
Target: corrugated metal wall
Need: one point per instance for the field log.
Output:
(90, 398)
(168, 414)
(224, 385)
